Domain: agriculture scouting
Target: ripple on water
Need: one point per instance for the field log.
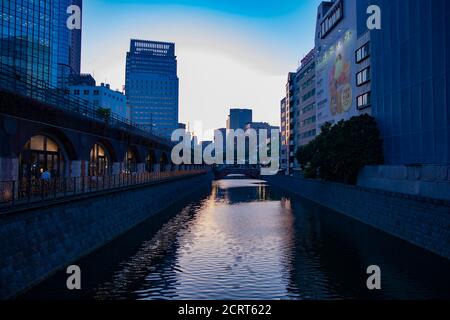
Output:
(244, 242)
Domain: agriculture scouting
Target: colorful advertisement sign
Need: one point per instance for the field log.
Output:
(335, 79)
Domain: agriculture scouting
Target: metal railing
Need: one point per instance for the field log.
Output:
(25, 192)
(28, 86)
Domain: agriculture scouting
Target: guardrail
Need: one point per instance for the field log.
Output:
(27, 192)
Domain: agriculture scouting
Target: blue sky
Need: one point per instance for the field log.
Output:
(230, 53)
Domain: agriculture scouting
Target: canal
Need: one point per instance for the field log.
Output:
(245, 240)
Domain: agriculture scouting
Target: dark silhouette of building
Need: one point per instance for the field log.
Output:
(238, 118)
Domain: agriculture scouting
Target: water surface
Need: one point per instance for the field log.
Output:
(246, 240)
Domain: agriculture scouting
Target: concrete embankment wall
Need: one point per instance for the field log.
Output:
(423, 222)
(36, 243)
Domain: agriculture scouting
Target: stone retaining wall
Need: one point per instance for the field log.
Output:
(421, 221)
(36, 243)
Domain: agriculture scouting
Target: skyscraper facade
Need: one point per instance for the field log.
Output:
(283, 135)
(399, 73)
(36, 43)
(307, 102)
(292, 103)
(152, 86)
(69, 43)
(411, 81)
(238, 118)
(27, 40)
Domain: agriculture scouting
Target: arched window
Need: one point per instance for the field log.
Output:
(99, 161)
(41, 154)
(130, 162)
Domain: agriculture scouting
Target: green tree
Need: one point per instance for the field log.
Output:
(342, 150)
(105, 113)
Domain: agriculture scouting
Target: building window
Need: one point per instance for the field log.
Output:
(308, 108)
(363, 53)
(96, 92)
(86, 92)
(363, 77)
(331, 20)
(309, 94)
(308, 83)
(363, 101)
(308, 121)
(76, 92)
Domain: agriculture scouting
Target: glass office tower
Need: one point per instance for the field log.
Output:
(69, 43)
(27, 40)
(152, 86)
(36, 43)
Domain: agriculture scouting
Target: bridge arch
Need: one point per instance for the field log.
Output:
(248, 171)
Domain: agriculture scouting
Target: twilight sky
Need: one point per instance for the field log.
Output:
(231, 53)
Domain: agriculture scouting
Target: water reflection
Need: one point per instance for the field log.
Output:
(246, 240)
(232, 191)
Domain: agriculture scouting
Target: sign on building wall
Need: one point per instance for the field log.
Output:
(336, 70)
(336, 80)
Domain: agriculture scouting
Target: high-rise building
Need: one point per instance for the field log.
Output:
(222, 132)
(284, 141)
(307, 100)
(152, 86)
(291, 107)
(35, 42)
(69, 42)
(28, 51)
(400, 75)
(336, 42)
(262, 140)
(410, 94)
(238, 118)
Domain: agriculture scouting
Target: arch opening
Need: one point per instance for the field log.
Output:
(130, 162)
(99, 161)
(42, 154)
